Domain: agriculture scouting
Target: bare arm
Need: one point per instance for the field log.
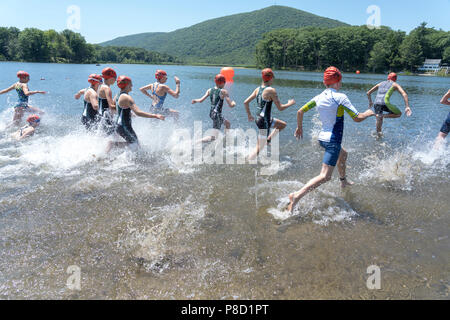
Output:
(227, 98)
(108, 95)
(175, 93)
(30, 93)
(93, 99)
(145, 89)
(369, 94)
(80, 93)
(194, 101)
(8, 89)
(363, 116)
(277, 102)
(141, 113)
(247, 105)
(405, 97)
(445, 99)
(299, 132)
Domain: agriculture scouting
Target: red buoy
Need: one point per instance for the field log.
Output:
(228, 72)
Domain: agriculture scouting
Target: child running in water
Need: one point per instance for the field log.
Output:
(383, 103)
(159, 93)
(24, 93)
(446, 126)
(90, 117)
(107, 107)
(265, 96)
(29, 129)
(124, 105)
(331, 106)
(217, 95)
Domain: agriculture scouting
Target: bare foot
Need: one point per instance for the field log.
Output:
(251, 157)
(345, 183)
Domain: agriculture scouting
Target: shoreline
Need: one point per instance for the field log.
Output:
(244, 67)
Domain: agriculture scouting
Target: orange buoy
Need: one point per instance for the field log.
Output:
(228, 72)
(358, 72)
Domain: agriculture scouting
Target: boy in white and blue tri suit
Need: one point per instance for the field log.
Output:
(331, 106)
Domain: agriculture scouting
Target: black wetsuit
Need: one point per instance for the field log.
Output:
(264, 120)
(90, 117)
(216, 108)
(123, 123)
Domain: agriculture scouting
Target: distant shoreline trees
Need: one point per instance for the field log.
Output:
(310, 48)
(34, 45)
(352, 48)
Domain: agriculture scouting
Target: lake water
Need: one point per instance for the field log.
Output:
(140, 226)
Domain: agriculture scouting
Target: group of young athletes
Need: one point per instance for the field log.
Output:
(113, 115)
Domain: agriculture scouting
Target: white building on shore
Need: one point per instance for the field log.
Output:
(433, 66)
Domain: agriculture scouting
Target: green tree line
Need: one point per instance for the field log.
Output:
(352, 48)
(34, 45)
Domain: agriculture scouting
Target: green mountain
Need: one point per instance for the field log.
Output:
(227, 40)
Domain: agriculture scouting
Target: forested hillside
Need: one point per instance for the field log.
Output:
(227, 40)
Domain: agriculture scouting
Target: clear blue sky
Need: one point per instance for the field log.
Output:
(104, 20)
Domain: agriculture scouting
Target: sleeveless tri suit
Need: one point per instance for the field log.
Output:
(90, 117)
(382, 101)
(216, 108)
(123, 123)
(264, 120)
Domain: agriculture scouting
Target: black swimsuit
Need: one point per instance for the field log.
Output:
(90, 116)
(216, 108)
(264, 121)
(123, 123)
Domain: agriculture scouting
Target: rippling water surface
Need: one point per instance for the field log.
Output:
(141, 226)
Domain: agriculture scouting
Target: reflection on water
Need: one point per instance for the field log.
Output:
(142, 227)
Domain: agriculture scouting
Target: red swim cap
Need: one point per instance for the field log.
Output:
(160, 74)
(95, 78)
(220, 79)
(123, 82)
(109, 73)
(267, 74)
(392, 76)
(33, 118)
(331, 76)
(22, 74)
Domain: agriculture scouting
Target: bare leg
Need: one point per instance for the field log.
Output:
(323, 177)
(209, 139)
(175, 114)
(278, 126)
(379, 123)
(206, 139)
(227, 125)
(342, 168)
(392, 116)
(18, 115)
(112, 145)
(439, 140)
(37, 110)
(262, 141)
